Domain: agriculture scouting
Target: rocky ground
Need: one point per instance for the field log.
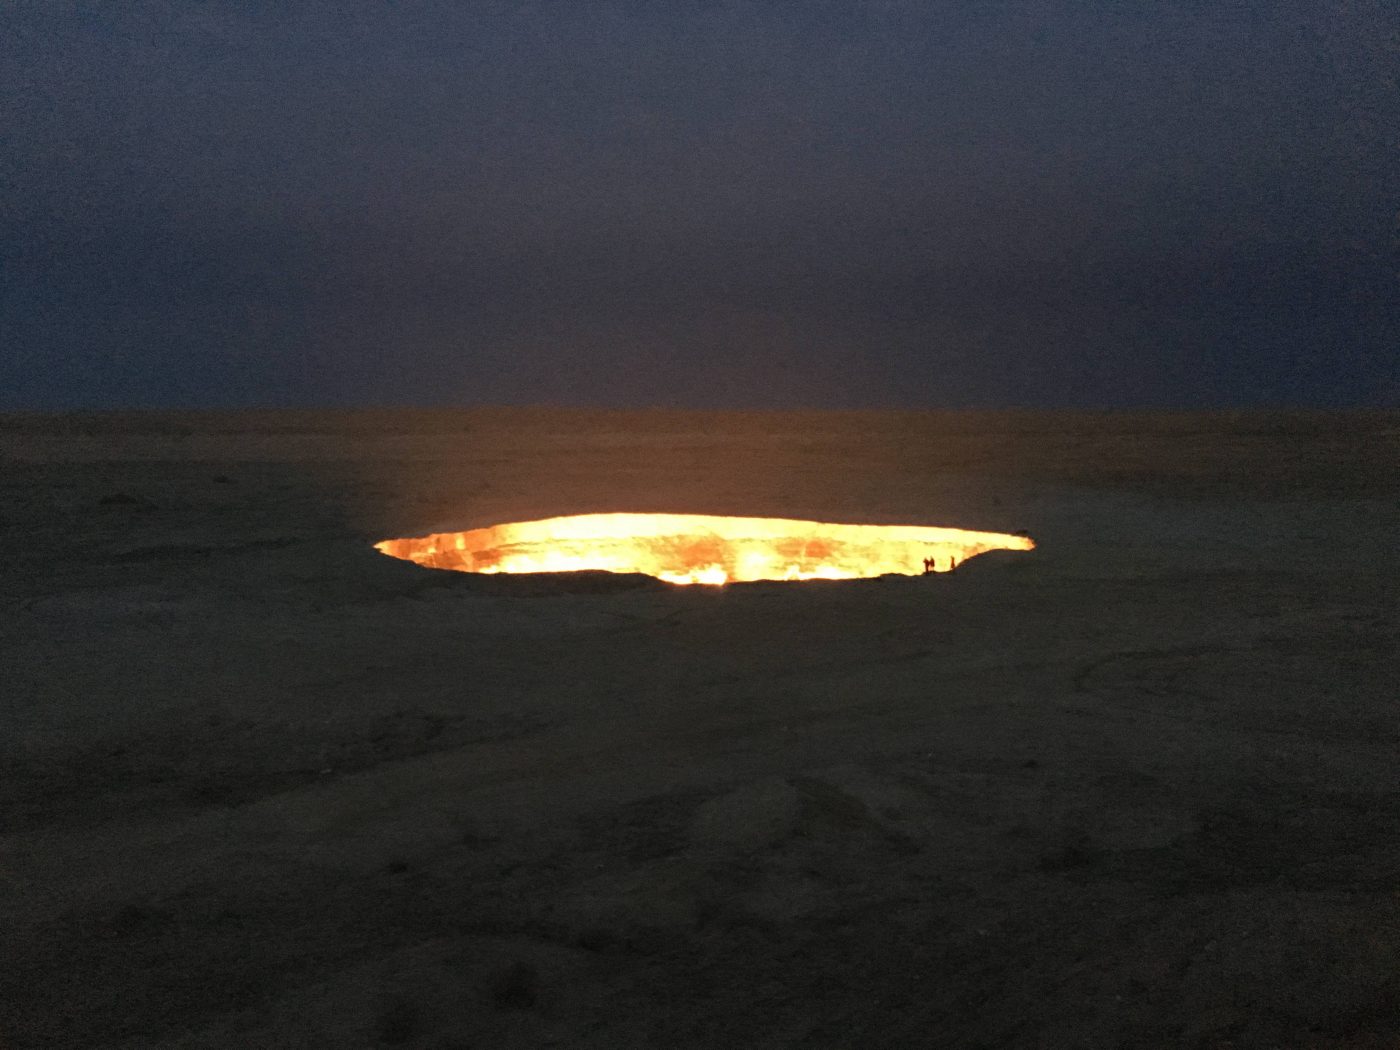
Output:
(264, 787)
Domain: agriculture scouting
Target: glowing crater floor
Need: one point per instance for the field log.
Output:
(702, 548)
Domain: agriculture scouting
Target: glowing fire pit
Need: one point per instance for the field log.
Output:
(700, 548)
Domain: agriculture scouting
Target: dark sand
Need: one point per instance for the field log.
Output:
(264, 787)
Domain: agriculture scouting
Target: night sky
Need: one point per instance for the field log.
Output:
(740, 204)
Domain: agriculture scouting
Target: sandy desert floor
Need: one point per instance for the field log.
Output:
(265, 787)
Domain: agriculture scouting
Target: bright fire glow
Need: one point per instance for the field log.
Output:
(700, 548)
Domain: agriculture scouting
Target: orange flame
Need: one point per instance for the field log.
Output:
(701, 548)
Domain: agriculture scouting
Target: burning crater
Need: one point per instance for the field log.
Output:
(700, 548)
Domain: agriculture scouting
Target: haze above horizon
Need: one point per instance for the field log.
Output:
(903, 204)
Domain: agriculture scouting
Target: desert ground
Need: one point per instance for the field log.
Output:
(264, 787)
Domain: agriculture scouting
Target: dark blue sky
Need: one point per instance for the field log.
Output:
(902, 203)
